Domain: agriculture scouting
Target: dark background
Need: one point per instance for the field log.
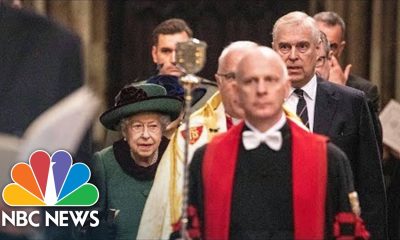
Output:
(216, 22)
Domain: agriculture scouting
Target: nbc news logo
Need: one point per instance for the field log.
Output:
(50, 181)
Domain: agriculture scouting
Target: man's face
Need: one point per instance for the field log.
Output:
(226, 80)
(261, 88)
(323, 63)
(164, 53)
(334, 35)
(296, 47)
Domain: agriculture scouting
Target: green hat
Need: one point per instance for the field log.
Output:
(133, 99)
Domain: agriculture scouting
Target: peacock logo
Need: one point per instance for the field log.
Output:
(50, 181)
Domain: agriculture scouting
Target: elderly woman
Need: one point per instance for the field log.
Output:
(124, 172)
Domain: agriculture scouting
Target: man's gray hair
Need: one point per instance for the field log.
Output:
(299, 19)
(331, 19)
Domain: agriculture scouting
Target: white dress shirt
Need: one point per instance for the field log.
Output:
(310, 93)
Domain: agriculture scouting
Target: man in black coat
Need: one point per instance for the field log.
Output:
(339, 112)
(334, 27)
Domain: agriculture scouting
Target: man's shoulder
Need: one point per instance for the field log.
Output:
(205, 91)
(301, 133)
(371, 90)
(335, 151)
(342, 91)
(360, 83)
(104, 154)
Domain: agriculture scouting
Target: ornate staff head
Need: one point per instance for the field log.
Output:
(190, 58)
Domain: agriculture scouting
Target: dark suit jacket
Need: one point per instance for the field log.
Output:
(372, 94)
(209, 88)
(342, 114)
(370, 90)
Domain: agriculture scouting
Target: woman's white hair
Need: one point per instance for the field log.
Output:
(164, 120)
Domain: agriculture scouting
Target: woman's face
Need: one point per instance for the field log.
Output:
(143, 134)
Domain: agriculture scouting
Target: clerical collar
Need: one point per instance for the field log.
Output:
(276, 127)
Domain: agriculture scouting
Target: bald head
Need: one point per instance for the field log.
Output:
(238, 46)
(227, 67)
(262, 86)
(266, 55)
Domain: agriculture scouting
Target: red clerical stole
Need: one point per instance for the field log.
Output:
(309, 176)
(229, 122)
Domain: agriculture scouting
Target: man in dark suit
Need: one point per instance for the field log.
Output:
(334, 27)
(338, 112)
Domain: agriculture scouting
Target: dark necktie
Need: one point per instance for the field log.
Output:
(301, 110)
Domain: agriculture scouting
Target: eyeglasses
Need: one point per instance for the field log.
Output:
(334, 47)
(137, 127)
(321, 61)
(301, 47)
(227, 76)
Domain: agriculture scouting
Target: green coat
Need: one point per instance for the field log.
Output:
(119, 190)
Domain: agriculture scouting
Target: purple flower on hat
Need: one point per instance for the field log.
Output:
(170, 83)
(129, 94)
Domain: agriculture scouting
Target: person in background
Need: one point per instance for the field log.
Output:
(323, 65)
(124, 172)
(165, 37)
(336, 111)
(259, 180)
(334, 27)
